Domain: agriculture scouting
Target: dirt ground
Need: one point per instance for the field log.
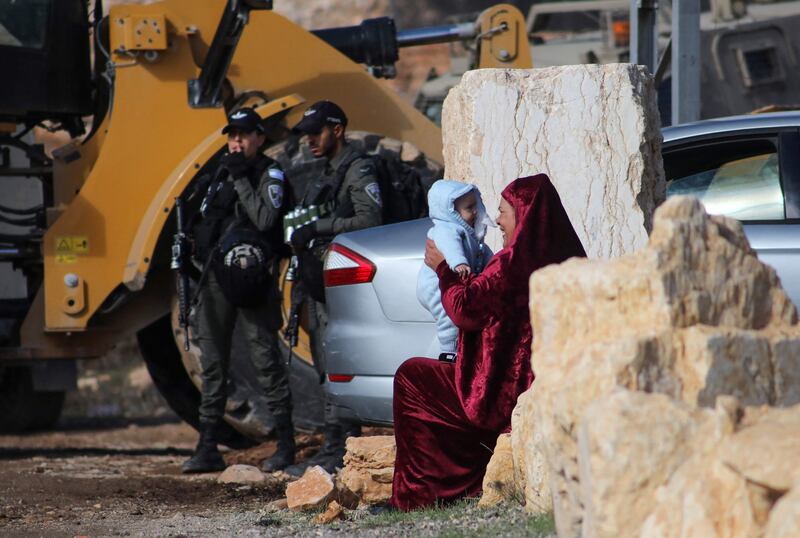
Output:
(111, 467)
(121, 479)
(117, 477)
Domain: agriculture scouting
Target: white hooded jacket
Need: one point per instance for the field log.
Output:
(459, 242)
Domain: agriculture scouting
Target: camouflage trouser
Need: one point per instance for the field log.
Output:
(214, 321)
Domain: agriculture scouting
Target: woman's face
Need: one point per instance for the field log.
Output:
(507, 221)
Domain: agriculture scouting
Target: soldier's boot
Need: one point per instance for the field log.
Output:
(331, 454)
(284, 455)
(206, 457)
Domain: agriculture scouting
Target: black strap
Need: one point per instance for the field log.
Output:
(315, 188)
(260, 167)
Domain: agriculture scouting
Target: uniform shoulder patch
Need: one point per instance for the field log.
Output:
(373, 190)
(365, 167)
(275, 192)
(276, 173)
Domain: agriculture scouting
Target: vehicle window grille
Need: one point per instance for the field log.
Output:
(759, 66)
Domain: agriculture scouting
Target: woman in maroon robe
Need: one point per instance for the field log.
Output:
(447, 416)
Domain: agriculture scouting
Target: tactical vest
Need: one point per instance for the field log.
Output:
(229, 244)
(218, 209)
(323, 191)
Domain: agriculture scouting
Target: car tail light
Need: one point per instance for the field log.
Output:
(340, 378)
(344, 266)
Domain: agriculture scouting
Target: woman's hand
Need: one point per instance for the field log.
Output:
(432, 255)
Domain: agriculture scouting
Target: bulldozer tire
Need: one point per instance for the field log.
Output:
(21, 407)
(163, 361)
(47, 410)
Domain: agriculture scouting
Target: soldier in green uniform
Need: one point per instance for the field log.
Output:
(350, 191)
(236, 239)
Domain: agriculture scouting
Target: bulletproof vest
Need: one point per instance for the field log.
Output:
(218, 213)
(324, 190)
(218, 208)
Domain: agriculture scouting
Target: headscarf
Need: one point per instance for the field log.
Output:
(494, 361)
(543, 235)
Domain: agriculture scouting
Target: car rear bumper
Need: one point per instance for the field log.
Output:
(366, 399)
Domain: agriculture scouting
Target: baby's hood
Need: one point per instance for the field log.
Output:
(441, 205)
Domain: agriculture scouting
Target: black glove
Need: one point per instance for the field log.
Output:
(303, 235)
(235, 163)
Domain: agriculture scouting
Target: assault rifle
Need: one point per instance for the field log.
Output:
(180, 262)
(293, 323)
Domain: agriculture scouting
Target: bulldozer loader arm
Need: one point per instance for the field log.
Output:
(153, 142)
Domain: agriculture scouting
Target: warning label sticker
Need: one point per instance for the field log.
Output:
(69, 246)
(74, 244)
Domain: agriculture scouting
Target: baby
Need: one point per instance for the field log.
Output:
(459, 226)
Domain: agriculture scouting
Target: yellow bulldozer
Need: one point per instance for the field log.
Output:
(143, 91)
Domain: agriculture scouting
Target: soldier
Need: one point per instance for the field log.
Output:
(236, 239)
(357, 198)
(349, 197)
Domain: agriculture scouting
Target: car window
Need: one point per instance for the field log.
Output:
(743, 185)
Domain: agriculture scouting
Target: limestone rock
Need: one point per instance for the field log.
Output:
(654, 467)
(530, 467)
(705, 498)
(594, 129)
(312, 491)
(623, 440)
(333, 512)
(345, 496)
(729, 487)
(694, 315)
(242, 474)
(768, 452)
(369, 467)
(784, 520)
(277, 505)
(786, 362)
(373, 452)
(498, 482)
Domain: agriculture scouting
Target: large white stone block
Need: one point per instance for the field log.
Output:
(593, 129)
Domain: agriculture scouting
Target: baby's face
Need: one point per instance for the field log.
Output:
(467, 207)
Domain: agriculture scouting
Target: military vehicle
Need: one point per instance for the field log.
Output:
(749, 52)
(143, 91)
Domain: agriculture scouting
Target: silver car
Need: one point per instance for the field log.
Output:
(747, 167)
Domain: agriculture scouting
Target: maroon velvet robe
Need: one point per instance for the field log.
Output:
(447, 416)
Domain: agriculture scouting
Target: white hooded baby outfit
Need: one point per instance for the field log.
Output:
(459, 243)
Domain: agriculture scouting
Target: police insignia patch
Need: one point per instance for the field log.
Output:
(275, 195)
(374, 192)
(276, 173)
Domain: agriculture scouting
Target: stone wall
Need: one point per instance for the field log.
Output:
(593, 129)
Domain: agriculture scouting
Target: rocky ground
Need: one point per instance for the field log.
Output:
(115, 477)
